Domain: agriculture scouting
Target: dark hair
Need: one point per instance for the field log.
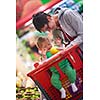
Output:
(39, 20)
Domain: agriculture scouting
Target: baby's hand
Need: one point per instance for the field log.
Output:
(60, 48)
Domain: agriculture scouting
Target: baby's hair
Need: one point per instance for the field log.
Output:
(57, 34)
(41, 40)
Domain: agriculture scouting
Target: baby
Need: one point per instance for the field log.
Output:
(46, 48)
(58, 38)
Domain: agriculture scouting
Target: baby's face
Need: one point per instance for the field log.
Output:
(58, 41)
(46, 46)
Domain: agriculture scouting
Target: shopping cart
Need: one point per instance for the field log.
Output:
(41, 75)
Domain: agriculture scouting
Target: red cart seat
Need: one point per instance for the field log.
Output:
(41, 75)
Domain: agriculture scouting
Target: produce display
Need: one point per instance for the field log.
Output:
(27, 93)
(26, 88)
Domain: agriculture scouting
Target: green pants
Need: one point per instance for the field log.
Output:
(66, 68)
(55, 78)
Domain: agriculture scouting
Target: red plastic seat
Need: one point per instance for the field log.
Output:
(41, 75)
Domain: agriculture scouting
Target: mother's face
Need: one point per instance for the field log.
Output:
(50, 26)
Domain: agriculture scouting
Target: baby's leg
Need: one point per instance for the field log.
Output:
(55, 80)
(71, 73)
